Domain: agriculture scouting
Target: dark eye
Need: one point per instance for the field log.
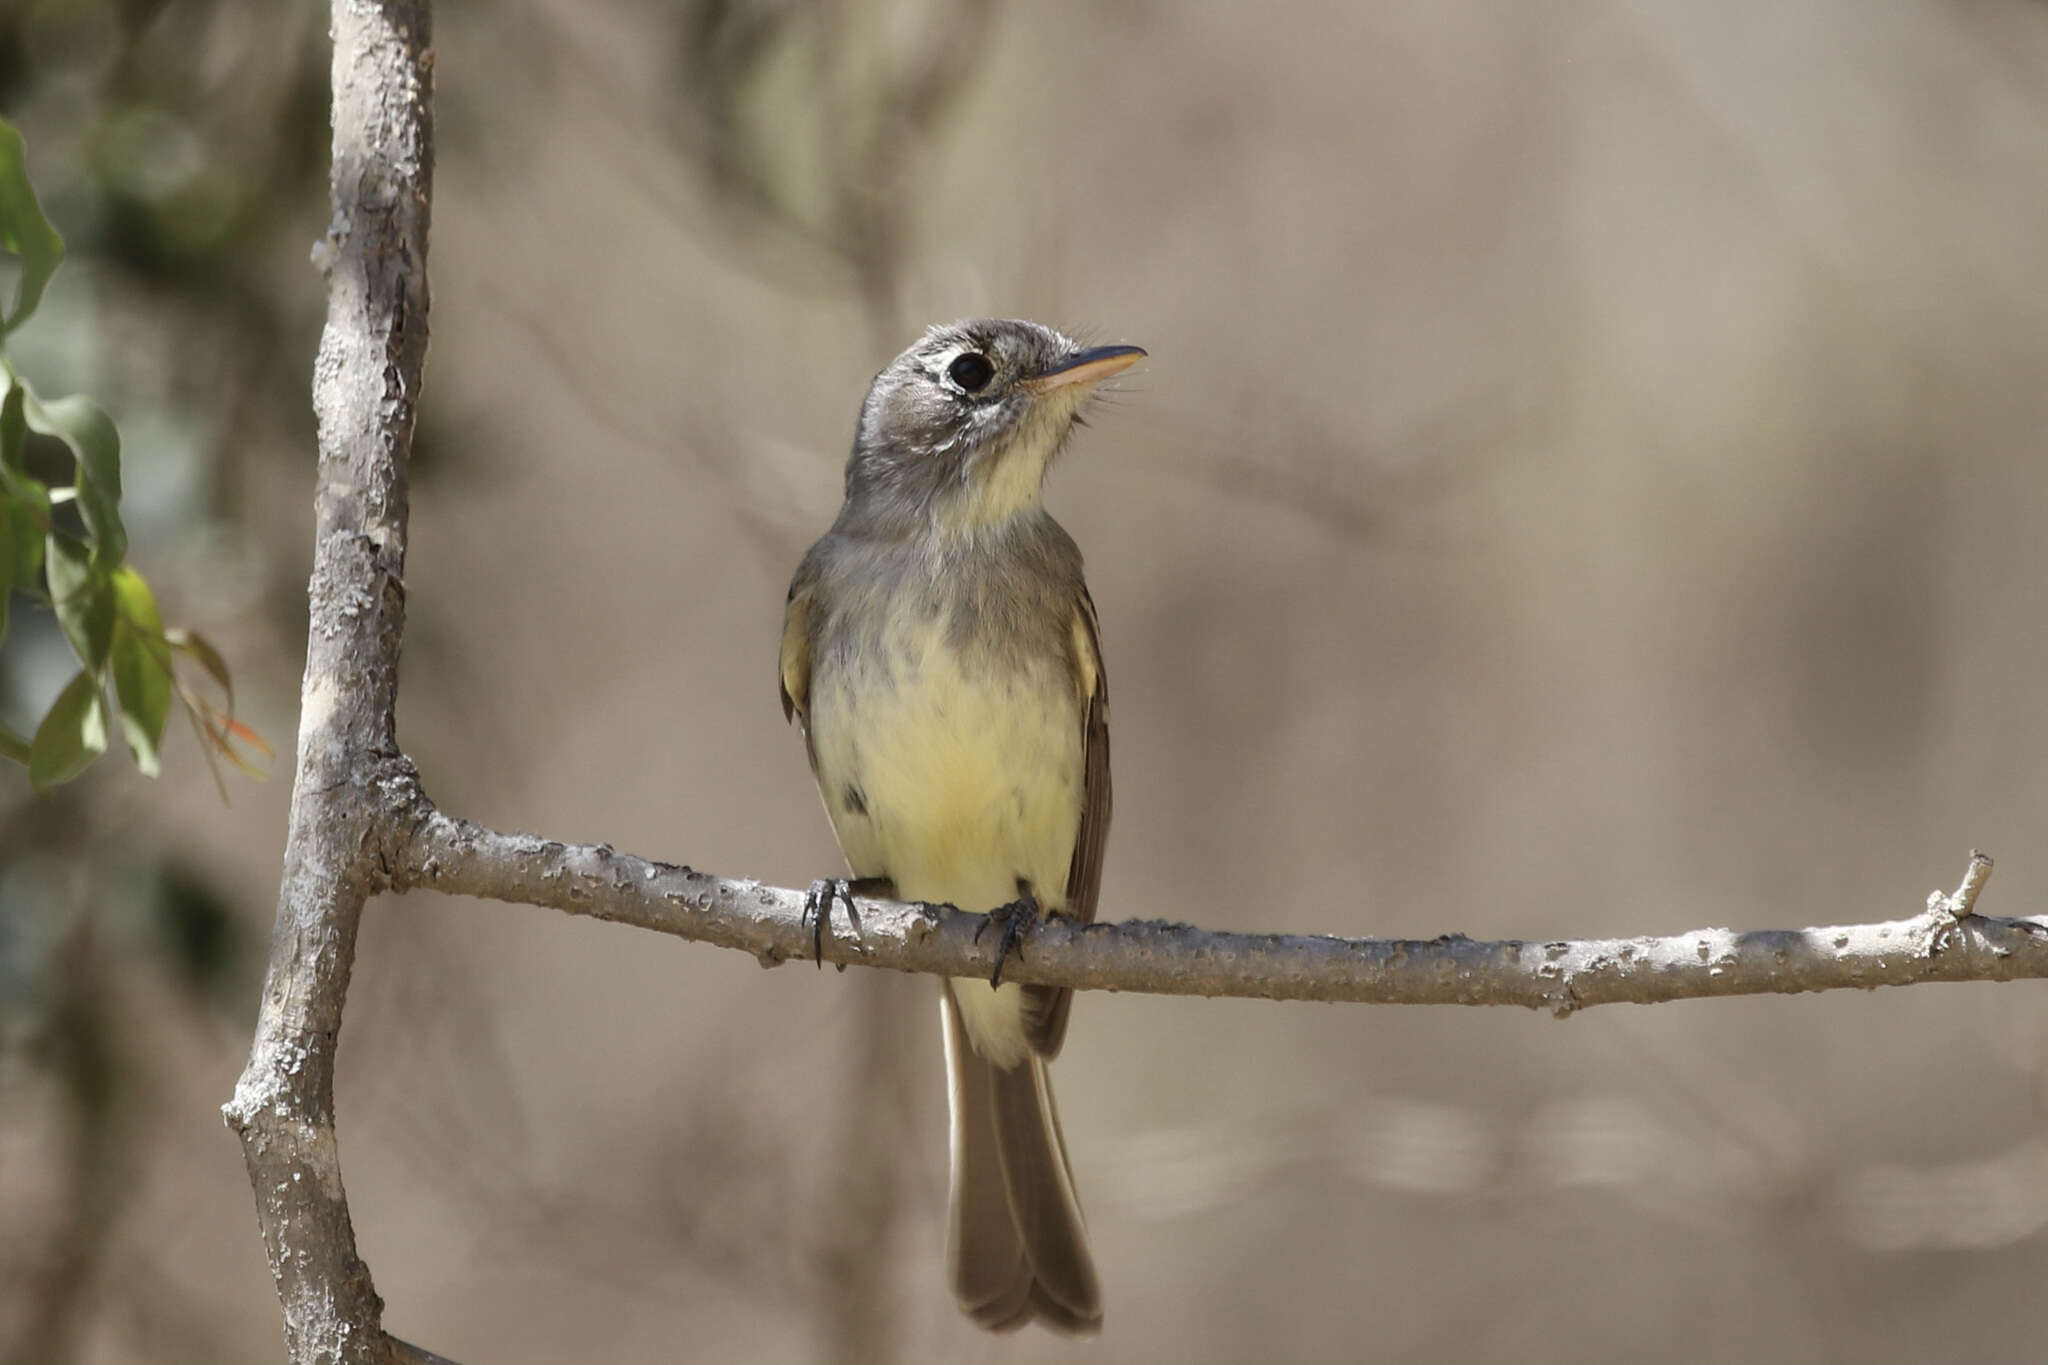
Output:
(971, 372)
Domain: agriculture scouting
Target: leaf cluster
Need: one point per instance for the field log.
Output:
(76, 565)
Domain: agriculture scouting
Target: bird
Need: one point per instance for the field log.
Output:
(943, 660)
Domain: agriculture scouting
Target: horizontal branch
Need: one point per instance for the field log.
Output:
(1946, 942)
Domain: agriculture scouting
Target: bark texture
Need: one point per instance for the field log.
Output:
(1946, 941)
(365, 389)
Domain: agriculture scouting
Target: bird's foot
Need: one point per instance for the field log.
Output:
(818, 906)
(1012, 922)
(818, 912)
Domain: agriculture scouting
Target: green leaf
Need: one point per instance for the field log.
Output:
(21, 496)
(13, 746)
(28, 544)
(71, 736)
(23, 230)
(142, 668)
(24, 502)
(83, 600)
(7, 560)
(83, 425)
(13, 426)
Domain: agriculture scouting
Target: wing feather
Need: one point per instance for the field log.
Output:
(1046, 1007)
(796, 662)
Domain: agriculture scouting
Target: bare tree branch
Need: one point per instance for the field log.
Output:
(1159, 958)
(366, 383)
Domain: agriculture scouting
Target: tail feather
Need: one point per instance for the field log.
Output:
(1017, 1247)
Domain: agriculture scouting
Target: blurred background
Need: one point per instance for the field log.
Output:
(1589, 480)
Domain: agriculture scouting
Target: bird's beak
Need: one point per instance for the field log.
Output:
(1091, 366)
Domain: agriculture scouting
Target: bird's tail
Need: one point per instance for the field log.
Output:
(1016, 1245)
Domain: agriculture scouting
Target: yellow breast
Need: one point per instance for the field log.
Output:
(953, 778)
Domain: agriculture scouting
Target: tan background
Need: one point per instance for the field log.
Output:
(1588, 480)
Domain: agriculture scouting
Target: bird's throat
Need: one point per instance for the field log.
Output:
(998, 485)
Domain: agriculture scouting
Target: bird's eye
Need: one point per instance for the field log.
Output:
(971, 371)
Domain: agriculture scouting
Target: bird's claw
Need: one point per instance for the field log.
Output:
(1014, 920)
(818, 911)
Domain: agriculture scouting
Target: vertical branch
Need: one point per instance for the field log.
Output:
(365, 387)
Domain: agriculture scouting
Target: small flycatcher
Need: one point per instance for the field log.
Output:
(942, 656)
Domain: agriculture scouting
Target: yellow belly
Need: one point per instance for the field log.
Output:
(956, 784)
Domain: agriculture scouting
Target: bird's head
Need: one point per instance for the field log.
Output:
(958, 431)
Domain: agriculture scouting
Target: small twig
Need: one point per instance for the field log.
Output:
(1964, 901)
